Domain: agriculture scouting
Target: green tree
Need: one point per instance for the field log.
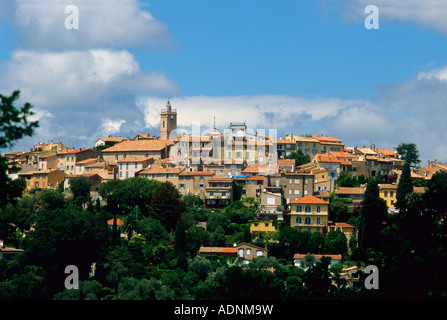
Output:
(436, 194)
(63, 237)
(167, 205)
(80, 188)
(123, 195)
(51, 199)
(299, 157)
(336, 243)
(372, 216)
(344, 179)
(409, 153)
(404, 188)
(14, 125)
(132, 222)
(339, 211)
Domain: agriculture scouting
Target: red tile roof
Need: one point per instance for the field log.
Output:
(310, 199)
(318, 256)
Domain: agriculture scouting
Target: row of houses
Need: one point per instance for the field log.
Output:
(210, 164)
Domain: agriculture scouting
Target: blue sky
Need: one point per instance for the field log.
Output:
(293, 66)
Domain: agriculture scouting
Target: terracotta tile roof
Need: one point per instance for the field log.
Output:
(387, 186)
(87, 161)
(161, 170)
(310, 200)
(218, 250)
(318, 256)
(342, 154)
(430, 170)
(135, 159)
(76, 151)
(257, 168)
(204, 173)
(347, 190)
(325, 158)
(119, 222)
(345, 163)
(327, 139)
(284, 141)
(286, 162)
(258, 178)
(139, 145)
(386, 152)
(366, 151)
(305, 139)
(341, 224)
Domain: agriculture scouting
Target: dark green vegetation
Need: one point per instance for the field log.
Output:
(154, 255)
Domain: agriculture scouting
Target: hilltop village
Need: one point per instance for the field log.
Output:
(297, 182)
(208, 165)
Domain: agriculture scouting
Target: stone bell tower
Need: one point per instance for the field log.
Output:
(168, 121)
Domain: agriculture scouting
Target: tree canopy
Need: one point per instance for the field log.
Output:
(409, 153)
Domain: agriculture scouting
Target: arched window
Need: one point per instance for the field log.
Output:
(307, 220)
(307, 209)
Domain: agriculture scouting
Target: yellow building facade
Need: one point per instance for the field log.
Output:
(388, 193)
(309, 213)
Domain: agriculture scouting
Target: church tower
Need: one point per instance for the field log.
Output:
(168, 121)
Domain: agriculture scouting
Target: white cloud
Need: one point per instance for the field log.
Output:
(428, 13)
(102, 23)
(79, 78)
(283, 113)
(110, 126)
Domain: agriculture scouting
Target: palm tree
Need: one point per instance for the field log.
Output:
(132, 224)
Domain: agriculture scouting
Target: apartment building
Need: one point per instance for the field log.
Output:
(42, 178)
(129, 166)
(309, 214)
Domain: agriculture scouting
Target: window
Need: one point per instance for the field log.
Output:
(318, 209)
(248, 251)
(270, 200)
(391, 194)
(385, 194)
(297, 181)
(318, 220)
(299, 209)
(307, 209)
(241, 253)
(297, 191)
(307, 220)
(298, 220)
(258, 253)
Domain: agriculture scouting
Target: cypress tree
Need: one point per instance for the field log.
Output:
(404, 188)
(372, 216)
